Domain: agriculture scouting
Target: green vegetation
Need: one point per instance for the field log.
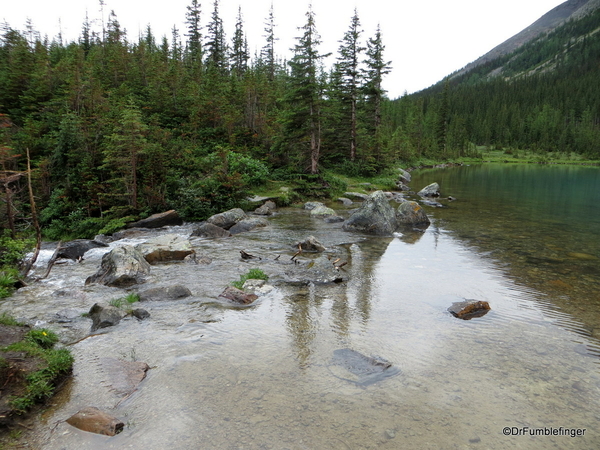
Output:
(12, 252)
(252, 274)
(123, 301)
(53, 363)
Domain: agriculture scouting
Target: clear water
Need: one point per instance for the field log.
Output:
(262, 377)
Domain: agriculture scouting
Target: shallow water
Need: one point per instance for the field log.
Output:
(265, 376)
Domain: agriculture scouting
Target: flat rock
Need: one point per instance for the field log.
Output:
(124, 376)
(175, 292)
(357, 195)
(168, 247)
(360, 369)
(469, 309)
(167, 218)
(95, 421)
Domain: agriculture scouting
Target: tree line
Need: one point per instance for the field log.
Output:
(118, 128)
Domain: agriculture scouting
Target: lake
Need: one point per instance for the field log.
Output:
(523, 238)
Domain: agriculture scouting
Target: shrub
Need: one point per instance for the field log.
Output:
(252, 274)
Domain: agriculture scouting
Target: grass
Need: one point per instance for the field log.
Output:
(127, 300)
(252, 274)
(5, 319)
(40, 383)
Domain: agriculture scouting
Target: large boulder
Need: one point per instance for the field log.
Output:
(432, 190)
(123, 266)
(174, 292)
(158, 220)
(410, 214)
(248, 224)
(168, 247)
(104, 316)
(227, 219)
(76, 249)
(375, 216)
(209, 230)
(96, 421)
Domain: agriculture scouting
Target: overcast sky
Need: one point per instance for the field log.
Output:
(425, 39)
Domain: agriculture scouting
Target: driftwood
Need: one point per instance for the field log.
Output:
(36, 224)
(248, 255)
(52, 260)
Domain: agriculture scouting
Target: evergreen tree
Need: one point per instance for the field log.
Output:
(239, 54)
(194, 34)
(268, 51)
(216, 47)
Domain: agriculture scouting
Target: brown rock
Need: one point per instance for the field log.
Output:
(95, 421)
(238, 296)
(124, 376)
(469, 309)
(158, 220)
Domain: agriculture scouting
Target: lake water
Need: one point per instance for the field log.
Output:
(523, 238)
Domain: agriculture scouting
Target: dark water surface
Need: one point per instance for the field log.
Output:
(306, 367)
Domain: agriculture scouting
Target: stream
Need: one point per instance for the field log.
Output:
(265, 376)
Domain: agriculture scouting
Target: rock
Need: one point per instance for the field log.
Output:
(209, 230)
(104, 239)
(357, 195)
(310, 244)
(345, 201)
(266, 209)
(238, 296)
(104, 316)
(469, 309)
(168, 247)
(123, 266)
(95, 421)
(140, 313)
(374, 216)
(227, 219)
(432, 190)
(360, 369)
(312, 205)
(159, 220)
(432, 203)
(124, 376)
(174, 292)
(321, 270)
(321, 211)
(410, 214)
(333, 219)
(404, 176)
(257, 286)
(401, 186)
(248, 224)
(76, 249)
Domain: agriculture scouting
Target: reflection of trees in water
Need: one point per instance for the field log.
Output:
(350, 302)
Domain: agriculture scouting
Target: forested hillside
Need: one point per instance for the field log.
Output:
(545, 96)
(118, 128)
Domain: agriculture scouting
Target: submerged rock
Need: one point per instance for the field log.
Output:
(360, 369)
(375, 216)
(158, 220)
(175, 292)
(432, 190)
(321, 270)
(321, 211)
(345, 201)
(410, 214)
(168, 247)
(104, 316)
(469, 309)
(228, 219)
(310, 244)
(123, 266)
(95, 421)
(238, 296)
(124, 376)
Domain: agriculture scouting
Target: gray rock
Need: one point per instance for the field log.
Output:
(158, 220)
(410, 214)
(140, 313)
(320, 270)
(104, 316)
(404, 176)
(227, 219)
(375, 216)
(174, 292)
(248, 224)
(432, 203)
(210, 231)
(93, 420)
(312, 205)
(360, 369)
(124, 376)
(345, 201)
(357, 195)
(321, 210)
(310, 244)
(168, 247)
(266, 209)
(333, 219)
(123, 266)
(432, 190)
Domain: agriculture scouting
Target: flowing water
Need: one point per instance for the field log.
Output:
(267, 376)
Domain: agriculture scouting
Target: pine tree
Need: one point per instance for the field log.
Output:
(268, 51)
(239, 55)
(216, 47)
(194, 35)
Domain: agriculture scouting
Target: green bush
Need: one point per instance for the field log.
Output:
(252, 274)
(42, 337)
